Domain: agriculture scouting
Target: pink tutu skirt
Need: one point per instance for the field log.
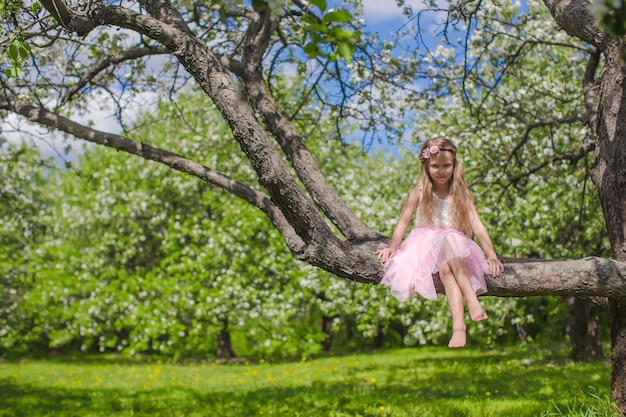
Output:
(422, 254)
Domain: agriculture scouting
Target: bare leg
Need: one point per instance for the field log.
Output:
(461, 275)
(455, 302)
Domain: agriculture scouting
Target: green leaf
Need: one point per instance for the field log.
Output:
(317, 27)
(259, 5)
(321, 4)
(24, 51)
(343, 34)
(312, 50)
(339, 16)
(222, 14)
(13, 52)
(35, 7)
(346, 51)
(307, 18)
(317, 39)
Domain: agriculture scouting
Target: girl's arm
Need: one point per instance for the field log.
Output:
(479, 229)
(403, 223)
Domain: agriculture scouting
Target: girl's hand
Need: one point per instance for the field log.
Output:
(495, 267)
(385, 253)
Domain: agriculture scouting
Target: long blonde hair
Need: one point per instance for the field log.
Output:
(458, 187)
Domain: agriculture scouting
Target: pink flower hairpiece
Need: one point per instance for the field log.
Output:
(426, 153)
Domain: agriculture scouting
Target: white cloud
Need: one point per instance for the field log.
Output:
(379, 11)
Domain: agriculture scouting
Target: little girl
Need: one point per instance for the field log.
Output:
(439, 246)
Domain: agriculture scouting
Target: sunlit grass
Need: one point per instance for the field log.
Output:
(407, 382)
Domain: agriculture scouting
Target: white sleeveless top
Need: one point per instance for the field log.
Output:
(442, 215)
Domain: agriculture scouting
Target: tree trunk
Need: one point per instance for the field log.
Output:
(617, 313)
(379, 339)
(609, 176)
(584, 329)
(327, 328)
(224, 346)
(609, 172)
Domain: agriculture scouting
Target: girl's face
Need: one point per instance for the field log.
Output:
(441, 167)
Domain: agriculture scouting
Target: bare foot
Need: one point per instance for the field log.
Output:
(477, 313)
(458, 338)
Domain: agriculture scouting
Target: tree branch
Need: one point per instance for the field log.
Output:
(305, 231)
(70, 19)
(107, 62)
(179, 163)
(589, 277)
(290, 141)
(233, 65)
(163, 11)
(574, 17)
(590, 89)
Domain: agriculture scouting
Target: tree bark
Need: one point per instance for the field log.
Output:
(609, 176)
(617, 313)
(609, 172)
(588, 276)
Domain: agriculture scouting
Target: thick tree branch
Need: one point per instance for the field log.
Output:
(163, 11)
(307, 169)
(233, 65)
(179, 163)
(588, 277)
(609, 172)
(70, 19)
(574, 17)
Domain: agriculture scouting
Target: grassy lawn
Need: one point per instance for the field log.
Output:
(407, 382)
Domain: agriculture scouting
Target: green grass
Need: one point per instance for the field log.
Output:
(407, 382)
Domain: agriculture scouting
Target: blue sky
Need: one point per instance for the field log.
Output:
(384, 16)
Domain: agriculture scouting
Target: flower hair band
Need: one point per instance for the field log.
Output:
(430, 151)
(426, 153)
